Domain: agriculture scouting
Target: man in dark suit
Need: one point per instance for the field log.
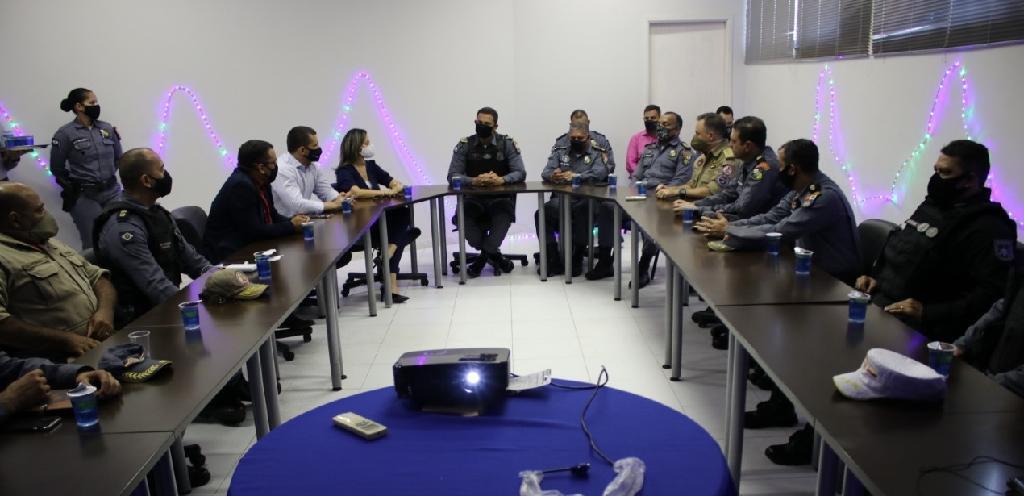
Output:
(243, 210)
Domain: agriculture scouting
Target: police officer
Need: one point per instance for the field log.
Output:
(582, 157)
(139, 242)
(488, 159)
(714, 168)
(756, 189)
(600, 140)
(83, 159)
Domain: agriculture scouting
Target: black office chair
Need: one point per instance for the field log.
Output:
(356, 279)
(472, 256)
(873, 234)
(191, 221)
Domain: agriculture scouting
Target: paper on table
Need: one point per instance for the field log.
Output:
(242, 267)
(531, 381)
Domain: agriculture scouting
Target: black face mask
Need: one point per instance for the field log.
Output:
(650, 126)
(484, 131)
(578, 146)
(663, 134)
(163, 185)
(273, 174)
(786, 179)
(92, 111)
(314, 154)
(944, 192)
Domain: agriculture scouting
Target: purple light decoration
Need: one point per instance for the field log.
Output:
(395, 136)
(13, 127)
(165, 115)
(826, 79)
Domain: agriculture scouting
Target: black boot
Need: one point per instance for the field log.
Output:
(776, 412)
(705, 318)
(578, 253)
(644, 267)
(500, 263)
(555, 267)
(604, 266)
(476, 266)
(795, 452)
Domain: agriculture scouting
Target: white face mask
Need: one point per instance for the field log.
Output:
(367, 151)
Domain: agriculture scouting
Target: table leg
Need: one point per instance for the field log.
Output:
(259, 405)
(669, 303)
(567, 237)
(385, 259)
(163, 476)
(852, 485)
(414, 257)
(680, 293)
(738, 392)
(617, 250)
(462, 239)
(730, 369)
(590, 234)
(828, 471)
(634, 248)
(180, 466)
(268, 362)
(329, 286)
(436, 243)
(370, 286)
(442, 229)
(542, 240)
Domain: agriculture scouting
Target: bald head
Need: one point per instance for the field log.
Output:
(20, 207)
(137, 163)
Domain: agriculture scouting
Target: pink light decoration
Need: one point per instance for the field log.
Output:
(13, 127)
(165, 115)
(826, 79)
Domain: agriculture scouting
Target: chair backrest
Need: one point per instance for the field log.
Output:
(191, 221)
(89, 255)
(873, 233)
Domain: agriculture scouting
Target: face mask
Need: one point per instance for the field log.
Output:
(484, 131)
(663, 134)
(273, 173)
(367, 151)
(42, 231)
(944, 192)
(314, 154)
(92, 111)
(788, 179)
(163, 185)
(578, 146)
(699, 144)
(650, 126)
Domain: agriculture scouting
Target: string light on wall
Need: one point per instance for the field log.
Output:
(826, 89)
(165, 115)
(13, 127)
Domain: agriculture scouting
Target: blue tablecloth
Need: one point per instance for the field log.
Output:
(435, 454)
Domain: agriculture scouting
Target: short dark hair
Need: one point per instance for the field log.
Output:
(489, 111)
(576, 114)
(724, 109)
(133, 164)
(751, 129)
(253, 152)
(679, 119)
(352, 146)
(972, 157)
(714, 123)
(77, 95)
(299, 136)
(652, 107)
(802, 153)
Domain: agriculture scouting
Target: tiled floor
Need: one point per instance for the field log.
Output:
(572, 329)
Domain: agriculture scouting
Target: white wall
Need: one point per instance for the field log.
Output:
(884, 107)
(261, 67)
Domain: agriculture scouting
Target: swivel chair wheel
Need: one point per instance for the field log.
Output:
(288, 355)
(307, 338)
(423, 282)
(524, 263)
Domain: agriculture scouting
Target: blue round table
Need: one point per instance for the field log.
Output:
(436, 454)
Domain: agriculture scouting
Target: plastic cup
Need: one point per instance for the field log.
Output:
(307, 231)
(940, 357)
(689, 215)
(407, 192)
(262, 265)
(141, 338)
(83, 403)
(346, 207)
(774, 242)
(858, 306)
(576, 181)
(457, 183)
(803, 260)
(641, 188)
(613, 181)
(190, 315)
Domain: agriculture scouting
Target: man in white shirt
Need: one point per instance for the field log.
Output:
(301, 187)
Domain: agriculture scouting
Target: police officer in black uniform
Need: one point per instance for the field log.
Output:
(487, 159)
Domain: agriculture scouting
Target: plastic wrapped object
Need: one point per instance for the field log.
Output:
(530, 485)
(629, 479)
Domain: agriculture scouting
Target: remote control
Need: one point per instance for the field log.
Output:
(359, 425)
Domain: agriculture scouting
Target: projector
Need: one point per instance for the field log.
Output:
(457, 378)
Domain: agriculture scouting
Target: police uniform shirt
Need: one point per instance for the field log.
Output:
(819, 218)
(517, 171)
(124, 242)
(667, 164)
(589, 165)
(602, 143)
(715, 170)
(755, 190)
(86, 155)
(49, 286)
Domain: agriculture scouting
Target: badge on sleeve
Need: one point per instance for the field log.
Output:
(565, 159)
(809, 199)
(672, 153)
(726, 169)
(757, 174)
(932, 232)
(1004, 250)
(586, 160)
(104, 133)
(127, 236)
(55, 143)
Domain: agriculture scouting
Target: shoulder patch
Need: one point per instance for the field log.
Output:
(55, 142)
(515, 145)
(104, 133)
(809, 199)
(757, 174)
(464, 141)
(127, 236)
(764, 166)
(1004, 250)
